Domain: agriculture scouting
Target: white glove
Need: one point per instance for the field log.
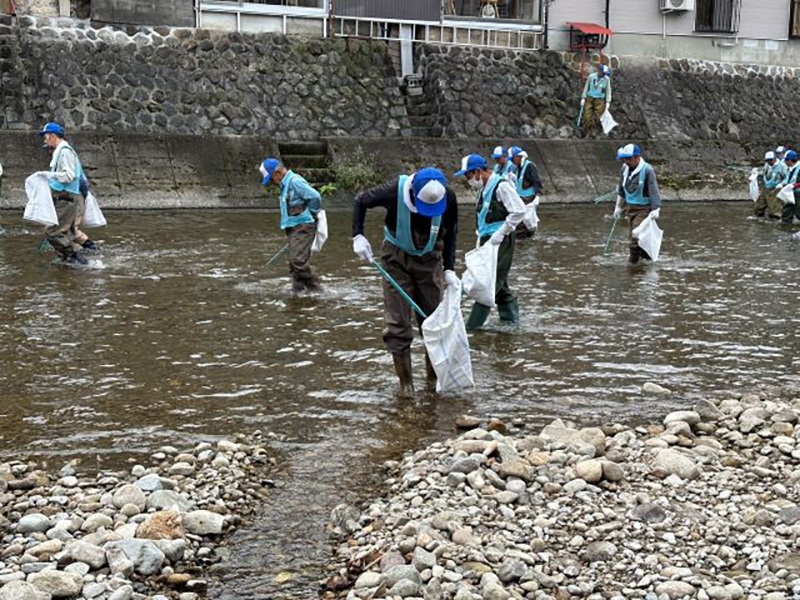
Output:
(497, 237)
(583, 101)
(362, 248)
(618, 208)
(535, 201)
(654, 214)
(451, 279)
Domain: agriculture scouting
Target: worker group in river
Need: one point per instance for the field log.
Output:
(774, 188)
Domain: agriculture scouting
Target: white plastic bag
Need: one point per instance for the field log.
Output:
(531, 218)
(649, 237)
(92, 216)
(608, 122)
(40, 208)
(322, 232)
(786, 195)
(447, 343)
(480, 279)
(754, 193)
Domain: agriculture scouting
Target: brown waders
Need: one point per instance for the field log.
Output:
(636, 214)
(62, 236)
(768, 205)
(592, 111)
(422, 278)
(300, 240)
(790, 211)
(507, 306)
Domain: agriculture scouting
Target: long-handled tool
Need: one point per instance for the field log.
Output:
(278, 255)
(606, 197)
(610, 237)
(399, 289)
(580, 117)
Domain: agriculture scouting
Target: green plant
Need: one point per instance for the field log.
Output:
(356, 171)
(328, 189)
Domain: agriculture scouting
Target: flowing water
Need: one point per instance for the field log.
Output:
(178, 333)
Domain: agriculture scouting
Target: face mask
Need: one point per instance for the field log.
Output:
(476, 184)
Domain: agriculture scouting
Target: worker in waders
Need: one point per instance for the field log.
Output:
(498, 211)
(790, 211)
(64, 175)
(418, 251)
(528, 183)
(773, 173)
(596, 97)
(300, 205)
(503, 165)
(638, 197)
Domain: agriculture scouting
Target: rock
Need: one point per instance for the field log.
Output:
(95, 522)
(391, 559)
(203, 522)
(92, 555)
(401, 572)
(146, 557)
(515, 468)
(149, 483)
(182, 469)
(58, 584)
(600, 552)
(708, 411)
(685, 416)
(165, 499)
(368, 579)
(172, 549)
(118, 562)
(590, 471)
(648, 513)
(463, 537)
(650, 388)
(164, 525)
(675, 590)
(790, 515)
(22, 590)
(45, 550)
(465, 466)
(34, 522)
(130, 494)
(404, 589)
(675, 463)
(423, 559)
(718, 592)
(511, 570)
(612, 471)
(466, 422)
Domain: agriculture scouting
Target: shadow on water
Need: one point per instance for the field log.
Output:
(178, 334)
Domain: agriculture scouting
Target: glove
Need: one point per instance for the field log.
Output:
(535, 201)
(654, 214)
(618, 208)
(451, 279)
(362, 248)
(583, 101)
(497, 237)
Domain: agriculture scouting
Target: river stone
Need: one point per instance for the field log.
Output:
(22, 590)
(675, 463)
(685, 416)
(79, 568)
(423, 559)
(368, 579)
(93, 590)
(92, 555)
(655, 389)
(145, 555)
(590, 471)
(612, 471)
(511, 570)
(465, 466)
(118, 562)
(600, 551)
(164, 525)
(494, 591)
(708, 411)
(718, 592)
(401, 572)
(790, 515)
(391, 559)
(149, 483)
(123, 593)
(46, 550)
(404, 589)
(203, 522)
(163, 499)
(172, 549)
(182, 468)
(130, 494)
(34, 522)
(515, 468)
(790, 562)
(648, 513)
(95, 522)
(675, 590)
(57, 583)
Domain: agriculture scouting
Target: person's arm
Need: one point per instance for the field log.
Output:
(621, 185)
(382, 195)
(450, 224)
(652, 188)
(608, 91)
(536, 181)
(84, 185)
(508, 195)
(67, 166)
(303, 192)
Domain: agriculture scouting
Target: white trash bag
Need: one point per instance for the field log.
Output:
(447, 344)
(322, 232)
(531, 220)
(608, 122)
(786, 195)
(480, 278)
(40, 208)
(92, 215)
(649, 237)
(754, 193)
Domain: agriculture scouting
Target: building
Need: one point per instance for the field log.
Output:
(746, 31)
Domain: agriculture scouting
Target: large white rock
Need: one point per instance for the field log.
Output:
(57, 583)
(92, 555)
(675, 463)
(685, 416)
(130, 494)
(203, 522)
(22, 590)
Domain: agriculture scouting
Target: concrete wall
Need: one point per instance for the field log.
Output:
(166, 171)
(178, 13)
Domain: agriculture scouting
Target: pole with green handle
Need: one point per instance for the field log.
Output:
(399, 289)
(610, 237)
(278, 255)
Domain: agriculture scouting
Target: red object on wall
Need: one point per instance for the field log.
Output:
(584, 37)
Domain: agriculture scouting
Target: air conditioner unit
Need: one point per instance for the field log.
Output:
(676, 5)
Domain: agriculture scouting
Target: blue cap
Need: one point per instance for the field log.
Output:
(499, 152)
(629, 151)
(606, 70)
(514, 151)
(430, 192)
(267, 168)
(790, 155)
(52, 128)
(471, 163)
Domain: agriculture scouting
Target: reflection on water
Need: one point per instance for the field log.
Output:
(179, 333)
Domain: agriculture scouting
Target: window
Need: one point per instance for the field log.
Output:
(717, 16)
(525, 10)
(794, 22)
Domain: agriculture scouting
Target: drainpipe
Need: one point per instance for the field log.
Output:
(544, 18)
(608, 14)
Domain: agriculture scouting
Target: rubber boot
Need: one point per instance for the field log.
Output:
(477, 317)
(402, 366)
(509, 312)
(430, 375)
(634, 256)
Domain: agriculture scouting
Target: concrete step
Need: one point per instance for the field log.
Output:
(317, 176)
(303, 148)
(305, 161)
(418, 110)
(422, 121)
(424, 132)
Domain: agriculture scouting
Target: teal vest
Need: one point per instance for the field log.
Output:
(74, 186)
(531, 191)
(791, 177)
(597, 86)
(287, 222)
(403, 238)
(485, 206)
(637, 198)
(503, 171)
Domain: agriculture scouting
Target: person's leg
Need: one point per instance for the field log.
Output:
(61, 236)
(506, 301)
(635, 214)
(760, 206)
(787, 214)
(398, 333)
(301, 238)
(774, 205)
